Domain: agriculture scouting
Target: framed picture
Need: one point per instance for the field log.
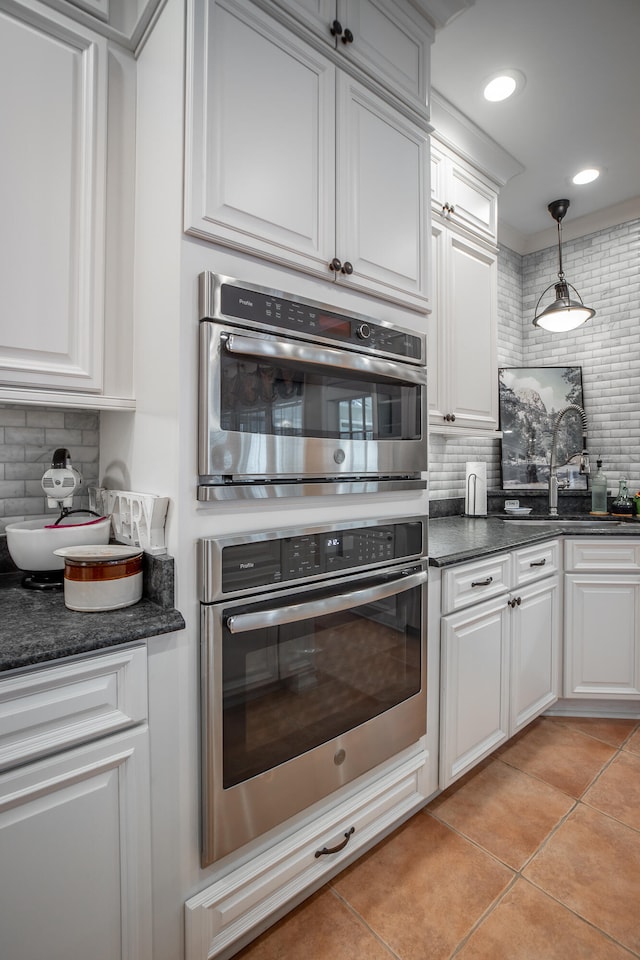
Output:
(530, 400)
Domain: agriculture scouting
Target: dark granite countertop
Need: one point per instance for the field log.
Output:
(458, 539)
(37, 628)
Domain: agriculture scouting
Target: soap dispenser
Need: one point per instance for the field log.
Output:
(599, 490)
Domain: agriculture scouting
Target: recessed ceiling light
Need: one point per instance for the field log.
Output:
(586, 176)
(502, 85)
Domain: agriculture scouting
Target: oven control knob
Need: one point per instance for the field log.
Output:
(339, 455)
(364, 331)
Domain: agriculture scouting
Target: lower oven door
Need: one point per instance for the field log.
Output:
(303, 692)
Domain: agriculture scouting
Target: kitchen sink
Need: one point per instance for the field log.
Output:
(567, 522)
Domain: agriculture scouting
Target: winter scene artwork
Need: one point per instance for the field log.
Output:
(530, 400)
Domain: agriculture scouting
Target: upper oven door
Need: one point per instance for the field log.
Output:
(274, 407)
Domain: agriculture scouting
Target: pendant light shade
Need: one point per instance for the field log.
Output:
(564, 313)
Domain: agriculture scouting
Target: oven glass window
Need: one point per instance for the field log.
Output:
(290, 688)
(283, 399)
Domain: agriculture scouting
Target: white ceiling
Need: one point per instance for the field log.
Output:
(580, 105)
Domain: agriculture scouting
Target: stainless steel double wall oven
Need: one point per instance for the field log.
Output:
(313, 639)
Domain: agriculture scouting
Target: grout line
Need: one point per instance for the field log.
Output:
(363, 922)
(518, 874)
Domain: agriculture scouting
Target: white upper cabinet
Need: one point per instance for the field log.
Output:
(53, 115)
(388, 42)
(462, 196)
(65, 326)
(297, 162)
(380, 219)
(260, 141)
(462, 335)
(124, 21)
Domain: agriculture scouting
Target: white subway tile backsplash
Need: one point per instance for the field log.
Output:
(12, 416)
(28, 438)
(24, 435)
(42, 417)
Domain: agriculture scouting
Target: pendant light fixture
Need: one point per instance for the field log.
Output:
(564, 313)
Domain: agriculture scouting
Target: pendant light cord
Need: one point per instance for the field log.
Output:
(560, 271)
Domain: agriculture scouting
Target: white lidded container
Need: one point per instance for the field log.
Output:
(101, 577)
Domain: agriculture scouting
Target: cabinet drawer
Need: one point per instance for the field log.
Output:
(58, 707)
(532, 563)
(264, 887)
(472, 582)
(614, 556)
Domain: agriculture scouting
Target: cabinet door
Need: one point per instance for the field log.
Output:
(535, 651)
(317, 15)
(260, 137)
(379, 210)
(390, 42)
(437, 333)
(474, 713)
(462, 195)
(602, 636)
(53, 74)
(464, 327)
(74, 849)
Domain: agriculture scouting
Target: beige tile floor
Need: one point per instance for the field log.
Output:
(535, 855)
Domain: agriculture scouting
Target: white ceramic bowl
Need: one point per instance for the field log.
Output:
(31, 543)
(518, 511)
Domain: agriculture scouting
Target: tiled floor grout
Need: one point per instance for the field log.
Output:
(345, 903)
(519, 874)
(525, 888)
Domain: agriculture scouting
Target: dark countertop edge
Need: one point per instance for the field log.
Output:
(459, 539)
(150, 621)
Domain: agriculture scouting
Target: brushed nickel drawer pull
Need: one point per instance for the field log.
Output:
(538, 563)
(482, 583)
(338, 847)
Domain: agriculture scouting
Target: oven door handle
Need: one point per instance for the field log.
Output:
(304, 354)
(244, 622)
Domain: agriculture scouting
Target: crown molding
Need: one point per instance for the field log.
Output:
(456, 131)
(441, 12)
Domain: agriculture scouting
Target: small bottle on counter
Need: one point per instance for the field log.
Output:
(599, 490)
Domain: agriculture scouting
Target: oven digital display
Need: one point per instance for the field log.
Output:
(330, 324)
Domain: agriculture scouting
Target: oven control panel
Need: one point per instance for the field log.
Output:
(222, 298)
(263, 561)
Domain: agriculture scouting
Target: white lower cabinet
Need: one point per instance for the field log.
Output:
(474, 717)
(229, 912)
(74, 825)
(602, 619)
(535, 652)
(500, 656)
